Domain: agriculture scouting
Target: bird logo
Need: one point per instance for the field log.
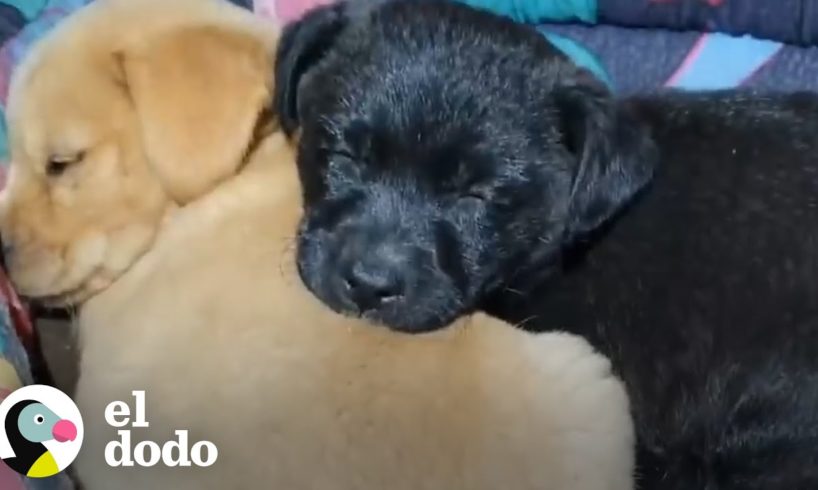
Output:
(42, 429)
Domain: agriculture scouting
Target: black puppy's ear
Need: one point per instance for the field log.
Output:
(615, 154)
(303, 44)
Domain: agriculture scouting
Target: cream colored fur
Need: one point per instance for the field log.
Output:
(202, 307)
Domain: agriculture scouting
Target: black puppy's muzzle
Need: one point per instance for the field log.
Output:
(372, 276)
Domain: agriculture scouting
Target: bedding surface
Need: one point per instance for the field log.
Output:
(627, 43)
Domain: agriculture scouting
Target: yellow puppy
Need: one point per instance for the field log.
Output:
(149, 187)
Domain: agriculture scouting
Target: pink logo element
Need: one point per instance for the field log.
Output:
(64, 431)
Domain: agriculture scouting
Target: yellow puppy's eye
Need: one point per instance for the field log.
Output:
(58, 164)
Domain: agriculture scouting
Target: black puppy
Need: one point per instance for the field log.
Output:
(452, 160)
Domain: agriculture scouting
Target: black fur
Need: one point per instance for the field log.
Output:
(452, 160)
(26, 452)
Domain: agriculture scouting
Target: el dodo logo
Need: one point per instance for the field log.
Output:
(41, 431)
(146, 453)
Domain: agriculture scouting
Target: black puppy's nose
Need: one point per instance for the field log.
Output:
(373, 282)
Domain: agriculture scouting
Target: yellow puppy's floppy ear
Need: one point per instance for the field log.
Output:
(198, 93)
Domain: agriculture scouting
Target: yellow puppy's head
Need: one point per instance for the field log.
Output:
(124, 112)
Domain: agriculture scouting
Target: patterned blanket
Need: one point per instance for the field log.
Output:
(634, 45)
(696, 51)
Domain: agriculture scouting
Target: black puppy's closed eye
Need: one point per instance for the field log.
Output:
(475, 194)
(58, 164)
(342, 164)
(469, 187)
(472, 198)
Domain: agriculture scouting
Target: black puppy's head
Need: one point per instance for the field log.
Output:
(442, 150)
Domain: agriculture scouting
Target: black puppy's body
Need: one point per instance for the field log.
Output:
(452, 161)
(704, 293)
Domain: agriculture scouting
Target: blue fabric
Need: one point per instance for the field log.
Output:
(579, 55)
(789, 21)
(11, 21)
(641, 60)
(11, 349)
(538, 11)
(724, 62)
(4, 144)
(29, 8)
(248, 4)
